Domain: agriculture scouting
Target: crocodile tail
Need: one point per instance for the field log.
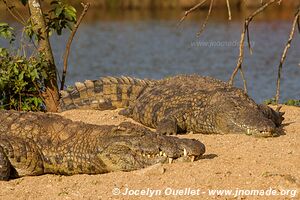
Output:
(103, 94)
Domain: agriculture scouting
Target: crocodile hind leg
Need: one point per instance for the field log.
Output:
(5, 166)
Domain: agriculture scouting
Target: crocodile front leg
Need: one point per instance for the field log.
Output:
(167, 126)
(172, 124)
(19, 157)
(5, 166)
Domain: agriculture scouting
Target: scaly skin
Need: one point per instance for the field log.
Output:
(104, 93)
(189, 103)
(38, 143)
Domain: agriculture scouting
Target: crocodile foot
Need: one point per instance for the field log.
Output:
(167, 126)
(4, 166)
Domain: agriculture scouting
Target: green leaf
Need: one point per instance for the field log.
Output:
(70, 13)
(7, 32)
(24, 2)
(21, 76)
(53, 2)
(15, 69)
(3, 52)
(20, 61)
(34, 74)
(3, 24)
(58, 11)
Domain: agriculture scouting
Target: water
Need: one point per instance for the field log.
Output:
(151, 46)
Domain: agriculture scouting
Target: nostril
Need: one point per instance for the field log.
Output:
(267, 130)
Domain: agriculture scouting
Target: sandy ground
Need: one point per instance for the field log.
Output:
(231, 162)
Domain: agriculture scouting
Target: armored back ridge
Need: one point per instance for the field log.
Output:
(103, 94)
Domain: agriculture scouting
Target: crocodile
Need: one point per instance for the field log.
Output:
(179, 104)
(38, 143)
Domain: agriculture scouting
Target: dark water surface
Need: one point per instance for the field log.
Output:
(149, 45)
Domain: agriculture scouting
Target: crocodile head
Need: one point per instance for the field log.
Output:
(134, 147)
(238, 113)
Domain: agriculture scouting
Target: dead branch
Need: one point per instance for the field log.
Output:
(18, 18)
(248, 40)
(229, 10)
(191, 10)
(241, 57)
(207, 17)
(298, 21)
(283, 57)
(244, 80)
(67, 51)
(242, 41)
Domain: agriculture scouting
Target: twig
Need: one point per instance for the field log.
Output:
(207, 17)
(242, 41)
(248, 39)
(244, 80)
(21, 17)
(67, 51)
(298, 21)
(20, 102)
(191, 10)
(229, 10)
(9, 8)
(241, 55)
(38, 89)
(287, 46)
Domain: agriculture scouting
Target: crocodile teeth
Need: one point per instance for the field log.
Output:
(164, 154)
(248, 131)
(184, 152)
(170, 160)
(192, 158)
(160, 153)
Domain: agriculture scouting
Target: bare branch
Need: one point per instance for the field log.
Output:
(242, 41)
(67, 51)
(206, 19)
(248, 40)
(298, 21)
(241, 54)
(244, 80)
(287, 46)
(229, 10)
(18, 18)
(191, 10)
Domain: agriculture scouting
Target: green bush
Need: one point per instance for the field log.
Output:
(22, 77)
(21, 81)
(292, 102)
(270, 101)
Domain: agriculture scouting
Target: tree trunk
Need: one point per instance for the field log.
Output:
(50, 95)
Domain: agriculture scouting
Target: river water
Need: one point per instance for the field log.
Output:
(150, 45)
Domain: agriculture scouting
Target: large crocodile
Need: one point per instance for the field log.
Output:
(38, 143)
(184, 103)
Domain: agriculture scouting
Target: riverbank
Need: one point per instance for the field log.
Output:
(173, 4)
(232, 162)
(184, 4)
